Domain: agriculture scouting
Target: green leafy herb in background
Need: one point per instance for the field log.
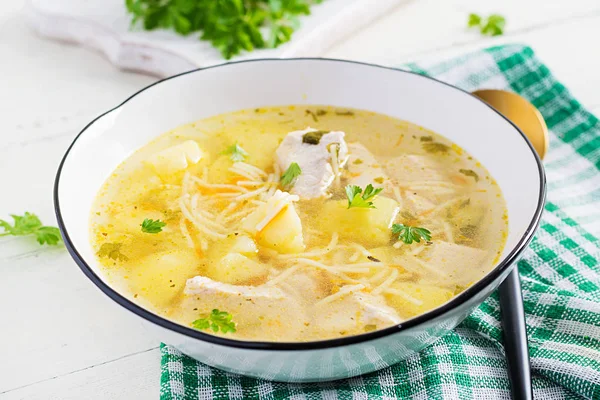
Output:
(235, 152)
(152, 225)
(231, 26)
(30, 224)
(409, 234)
(216, 320)
(290, 175)
(490, 26)
(360, 199)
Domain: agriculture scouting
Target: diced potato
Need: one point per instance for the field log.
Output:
(418, 298)
(276, 224)
(283, 233)
(244, 245)
(367, 225)
(176, 158)
(161, 277)
(236, 268)
(240, 243)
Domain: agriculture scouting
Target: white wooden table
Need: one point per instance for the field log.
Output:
(60, 337)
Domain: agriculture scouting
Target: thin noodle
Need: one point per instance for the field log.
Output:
(283, 275)
(346, 290)
(404, 295)
(386, 283)
(186, 233)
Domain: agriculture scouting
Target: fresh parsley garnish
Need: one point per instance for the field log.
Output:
(490, 26)
(235, 152)
(469, 172)
(290, 175)
(358, 198)
(409, 234)
(30, 224)
(152, 225)
(216, 320)
(231, 26)
(112, 251)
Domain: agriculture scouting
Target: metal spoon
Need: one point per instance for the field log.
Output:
(523, 114)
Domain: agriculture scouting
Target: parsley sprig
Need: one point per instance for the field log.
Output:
(231, 26)
(490, 26)
(410, 234)
(289, 176)
(216, 320)
(358, 198)
(30, 224)
(235, 153)
(152, 225)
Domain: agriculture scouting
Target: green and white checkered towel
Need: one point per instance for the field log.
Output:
(560, 275)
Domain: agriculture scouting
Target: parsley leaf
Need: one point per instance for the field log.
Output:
(409, 234)
(152, 225)
(493, 25)
(235, 153)
(112, 251)
(231, 26)
(289, 176)
(360, 199)
(474, 20)
(216, 320)
(30, 224)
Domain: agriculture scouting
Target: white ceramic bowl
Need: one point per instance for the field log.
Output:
(459, 116)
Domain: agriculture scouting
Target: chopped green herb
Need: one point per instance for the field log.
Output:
(358, 198)
(370, 328)
(344, 113)
(493, 25)
(216, 320)
(152, 226)
(435, 147)
(313, 115)
(379, 180)
(231, 26)
(313, 137)
(426, 138)
(410, 234)
(469, 172)
(30, 224)
(235, 153)
(357, 161)
(289, 176)
(112, 251)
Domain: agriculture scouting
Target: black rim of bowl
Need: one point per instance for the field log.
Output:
(463, 297)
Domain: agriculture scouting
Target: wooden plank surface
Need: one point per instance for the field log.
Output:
(63, 339)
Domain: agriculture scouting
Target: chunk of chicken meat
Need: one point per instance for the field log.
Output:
(258, 309)
(459, 264)
(363, 168)
(320, 156)
(421, 176)
(353, 313)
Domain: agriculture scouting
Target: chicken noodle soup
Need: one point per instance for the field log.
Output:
(297, 223)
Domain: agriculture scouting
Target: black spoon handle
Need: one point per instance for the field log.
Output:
(515, 336)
